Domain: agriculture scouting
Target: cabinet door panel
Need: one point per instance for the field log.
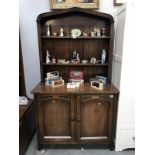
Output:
(56, 115)
(94, 118)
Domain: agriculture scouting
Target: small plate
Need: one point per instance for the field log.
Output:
(84, 61)
(76, 32)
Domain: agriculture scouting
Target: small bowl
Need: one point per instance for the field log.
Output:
(54, 34)
(84, 61)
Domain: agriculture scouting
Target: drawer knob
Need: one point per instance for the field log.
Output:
(53, 101)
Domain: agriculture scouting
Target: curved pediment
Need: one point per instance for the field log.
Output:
(42, 18)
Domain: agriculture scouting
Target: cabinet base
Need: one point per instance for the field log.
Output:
(76, 146)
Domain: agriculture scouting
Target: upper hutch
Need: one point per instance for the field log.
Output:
(87, 47)
(75, 116)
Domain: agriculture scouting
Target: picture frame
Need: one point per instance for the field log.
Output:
(117, 3)
(65, 4)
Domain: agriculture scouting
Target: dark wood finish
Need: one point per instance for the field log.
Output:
(26, 112)
(75, 116)
(84, 89)
(94, 118)
(72, 116)
(56, 115)
(87, 47)
(26, 126)
(42, 18)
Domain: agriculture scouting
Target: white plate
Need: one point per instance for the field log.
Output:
(76, 32)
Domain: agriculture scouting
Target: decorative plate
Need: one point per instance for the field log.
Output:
(75, 32)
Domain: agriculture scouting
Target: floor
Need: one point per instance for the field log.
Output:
(32, 150)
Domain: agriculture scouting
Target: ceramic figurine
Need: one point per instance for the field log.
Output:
(103, 31)
(54, 34)
(74, 56)
(53, 60)
(103, 56)
(93, 33)
(61, 32)
(98, 32)
(48, 33)
(77, 58)
(85, 34)
(47, 57)
(93, 60)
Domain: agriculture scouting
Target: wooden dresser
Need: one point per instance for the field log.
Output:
(75, 116)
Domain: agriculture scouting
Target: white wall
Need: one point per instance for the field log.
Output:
(126, 109)
(107, 6)
(118, 45)
(28, 11)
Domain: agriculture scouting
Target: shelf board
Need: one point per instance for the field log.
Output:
(72, 64)
(69, 37)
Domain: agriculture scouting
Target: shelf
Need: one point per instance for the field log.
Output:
(72, 64)
(69, 37)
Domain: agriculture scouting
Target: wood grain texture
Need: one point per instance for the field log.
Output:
(75, 116)
(26, 126)
(83, 89)
(87, 47)
(56, 115)
(94, 118)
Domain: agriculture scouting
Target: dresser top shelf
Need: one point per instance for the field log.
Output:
(83, 89)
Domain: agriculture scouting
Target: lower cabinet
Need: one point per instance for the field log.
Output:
(75, 119)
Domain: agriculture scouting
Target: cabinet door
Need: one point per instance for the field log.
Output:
(94, 118)
(55, 119)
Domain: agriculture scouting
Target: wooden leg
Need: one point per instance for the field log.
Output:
(112, 147)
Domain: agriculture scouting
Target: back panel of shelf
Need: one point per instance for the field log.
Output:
(63, 48)
(88, 71)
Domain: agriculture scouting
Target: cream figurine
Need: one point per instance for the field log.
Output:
(48, 33)
(61, 32)
(47, 57)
